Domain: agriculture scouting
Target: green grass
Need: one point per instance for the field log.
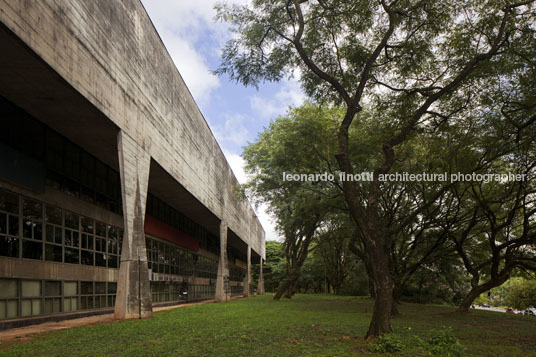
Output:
(307, 325)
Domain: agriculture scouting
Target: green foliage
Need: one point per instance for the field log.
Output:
(521, 294)
(307, 325)
(443, 342)
(389, 343)
(440, 342)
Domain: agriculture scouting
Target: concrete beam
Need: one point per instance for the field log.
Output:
(247, 280)
(260, 285)
(223, 291)
(133, 289)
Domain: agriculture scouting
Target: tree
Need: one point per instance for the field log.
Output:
(274, 267)
(418, 61)
(299, 207)
(521, 294)
(333, 249)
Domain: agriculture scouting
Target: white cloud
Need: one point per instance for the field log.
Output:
(290, 94)
(232, 131)
(192, 67)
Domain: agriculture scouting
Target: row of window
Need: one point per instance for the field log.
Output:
(237, 290)
(167, 292)
(24, 298)
(236, 273)
(164, 212)
(33, 230)
(169, 259)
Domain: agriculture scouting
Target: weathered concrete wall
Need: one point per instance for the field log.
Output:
(110, 52)
(38, 269)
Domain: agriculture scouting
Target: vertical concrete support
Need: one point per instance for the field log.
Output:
(260, 286)
(133, 291)
(247, 280)
(223, 292)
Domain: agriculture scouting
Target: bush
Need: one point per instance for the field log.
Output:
(441, 342)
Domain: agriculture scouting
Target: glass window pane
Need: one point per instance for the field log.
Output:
(88, 225)
(71, 220)
(86, 287)
(9, 202)
(12, 309)
(36, 306)
(9, 246)
(13, 228)
(2, 310)
(53, 253)
(53, 215)
(32, 250)
(100, 229)
(100, 259)
(32, 209)
(31, 288)
(113, 261)
(70, 288)
(49, 233)
(100, 288)
(32, 229)
(26, 307)
(3, 223)
(8, 289)
(86, 257)
(66, 305)
(71, 255)
(57, 235)
(49, 306)
(112, 288)
(52, 288)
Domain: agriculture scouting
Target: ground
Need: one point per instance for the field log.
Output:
(307, 325)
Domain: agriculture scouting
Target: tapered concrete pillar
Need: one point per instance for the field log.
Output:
(260, 286)
(133, 298)
(247, 280)
(223, 291)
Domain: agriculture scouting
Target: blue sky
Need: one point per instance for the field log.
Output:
(235, 114)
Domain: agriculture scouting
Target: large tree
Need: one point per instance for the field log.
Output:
(418, 61)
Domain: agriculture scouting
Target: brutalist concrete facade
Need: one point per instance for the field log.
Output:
(98, 74)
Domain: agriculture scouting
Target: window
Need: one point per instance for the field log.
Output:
(67, 236)
(9, 224)
(32, 228)
(9, 298)
(25, 298)
(53, 234)
(52, 297)
(31, 297)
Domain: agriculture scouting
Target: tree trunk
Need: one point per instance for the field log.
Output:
(479, 289)
(397, 293)
(381, 315)
(372, 289)
(469, 298)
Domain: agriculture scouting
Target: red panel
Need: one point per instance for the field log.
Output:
(163, 230)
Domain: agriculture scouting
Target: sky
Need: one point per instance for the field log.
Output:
(235, 114)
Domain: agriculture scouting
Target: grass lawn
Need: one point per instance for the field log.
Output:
(307, 325)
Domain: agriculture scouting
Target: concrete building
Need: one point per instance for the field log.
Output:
(114, 193)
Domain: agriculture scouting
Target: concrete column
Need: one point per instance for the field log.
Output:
(223, 291)
(247, 280)
(133, 290)
(260, 286)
